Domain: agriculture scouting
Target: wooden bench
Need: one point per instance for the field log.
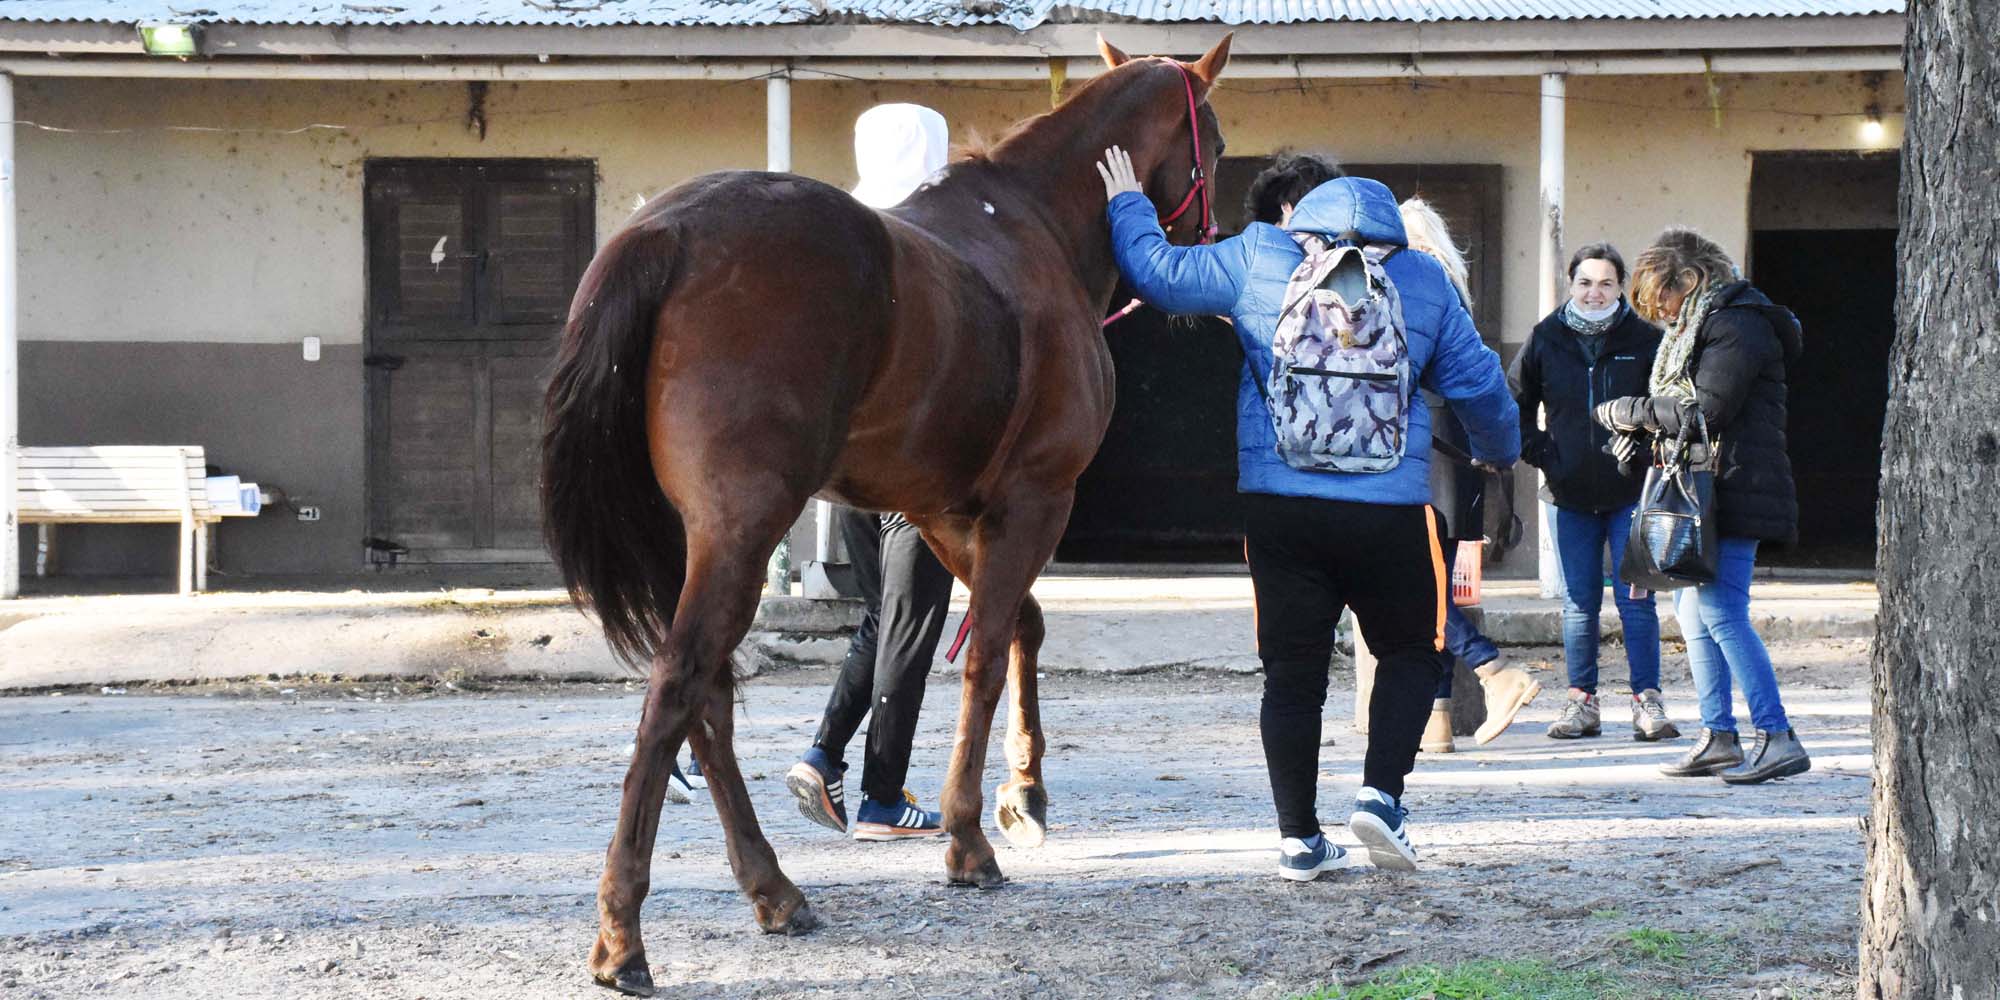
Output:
(135, 484)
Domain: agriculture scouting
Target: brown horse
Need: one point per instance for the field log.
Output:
(751, 340)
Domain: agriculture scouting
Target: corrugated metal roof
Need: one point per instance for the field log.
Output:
(1021, 14)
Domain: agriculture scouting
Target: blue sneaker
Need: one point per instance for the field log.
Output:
(815, 782)
(693, 774)
(1304, 860)
(1378, 821)
(901, 820)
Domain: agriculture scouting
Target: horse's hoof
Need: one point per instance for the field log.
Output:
(986, 875)
(800, 921)
(633, 982)
(1023, 813)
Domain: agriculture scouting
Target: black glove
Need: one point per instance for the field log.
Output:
(1620, 415)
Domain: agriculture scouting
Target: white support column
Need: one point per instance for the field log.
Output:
(1550, 283)
(778, 123)
(10, 356)
(778, 157)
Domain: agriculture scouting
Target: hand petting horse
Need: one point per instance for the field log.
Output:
(750, 340)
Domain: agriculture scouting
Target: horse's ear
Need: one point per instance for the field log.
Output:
(1209, 67)
(1114, 56)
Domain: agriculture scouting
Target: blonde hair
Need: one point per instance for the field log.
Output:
(1666, 266)
(1426, 231)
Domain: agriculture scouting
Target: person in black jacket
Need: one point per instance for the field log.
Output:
(1722, 363)
(1592, 349)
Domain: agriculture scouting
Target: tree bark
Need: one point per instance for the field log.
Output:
(1931, 906)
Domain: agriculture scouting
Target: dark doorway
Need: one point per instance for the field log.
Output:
(1163, 486)
(471, 264)
(1823, 243)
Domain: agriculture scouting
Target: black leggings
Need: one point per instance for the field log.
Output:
(1310, 559)
(905, 593)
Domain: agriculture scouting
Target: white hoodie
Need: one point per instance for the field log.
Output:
(896, 148)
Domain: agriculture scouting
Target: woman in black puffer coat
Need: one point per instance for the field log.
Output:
(1724, 356)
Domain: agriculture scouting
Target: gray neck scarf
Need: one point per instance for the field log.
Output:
(1573, 319)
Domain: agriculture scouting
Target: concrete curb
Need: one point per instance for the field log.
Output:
(479, 634)
(439, 639)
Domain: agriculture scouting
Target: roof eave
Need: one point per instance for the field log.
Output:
(916, 42)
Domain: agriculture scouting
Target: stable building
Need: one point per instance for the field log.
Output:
(332, 244)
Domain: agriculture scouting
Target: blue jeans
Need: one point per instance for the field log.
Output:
(1715, 619)
(1581, 537)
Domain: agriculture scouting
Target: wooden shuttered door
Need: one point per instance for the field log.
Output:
(471, 267)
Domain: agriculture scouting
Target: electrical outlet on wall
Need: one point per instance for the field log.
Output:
(308, 512)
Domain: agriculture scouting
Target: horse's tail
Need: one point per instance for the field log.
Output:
(620, 545)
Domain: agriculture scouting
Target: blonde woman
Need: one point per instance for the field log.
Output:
(1455, 493)
(1724, 355)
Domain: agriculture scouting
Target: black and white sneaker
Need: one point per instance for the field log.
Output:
(902, 820)
(1379, 822)
(1304, 860)
(815, 782)
(679, 792)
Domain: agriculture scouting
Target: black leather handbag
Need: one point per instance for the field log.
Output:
(1674, 543)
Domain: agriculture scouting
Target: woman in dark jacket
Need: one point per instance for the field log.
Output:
(1723, 358)
(1592, 349)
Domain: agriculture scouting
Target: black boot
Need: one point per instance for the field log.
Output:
(1715, 750)
(1771, 755)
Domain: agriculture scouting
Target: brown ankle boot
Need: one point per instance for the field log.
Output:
(1437, 735)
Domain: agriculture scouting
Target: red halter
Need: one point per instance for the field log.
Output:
(1200, 175)
(1200, 189)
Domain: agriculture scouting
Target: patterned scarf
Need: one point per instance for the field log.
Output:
(1671, 376)
(1588, 327)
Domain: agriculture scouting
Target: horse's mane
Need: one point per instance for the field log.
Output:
(978, 147)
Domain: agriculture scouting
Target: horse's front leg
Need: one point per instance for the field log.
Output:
(1021, 805)
(999, 555)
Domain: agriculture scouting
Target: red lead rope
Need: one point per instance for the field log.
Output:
(1200, 189)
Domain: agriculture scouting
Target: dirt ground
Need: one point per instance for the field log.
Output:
(413, 840)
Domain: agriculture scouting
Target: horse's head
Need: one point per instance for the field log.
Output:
(1182, 141)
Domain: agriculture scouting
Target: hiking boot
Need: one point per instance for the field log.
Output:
(1303, 861)
(1507, 690)
(1714, 750)
(1580, 717)
(1380, 823)
(899, 820)
(1771, 755)
(815, 782)
(1649, 718)
(1437, 733)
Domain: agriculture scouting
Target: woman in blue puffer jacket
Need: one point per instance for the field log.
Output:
(1318, 541)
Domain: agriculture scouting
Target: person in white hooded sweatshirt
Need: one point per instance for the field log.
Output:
(904, 588)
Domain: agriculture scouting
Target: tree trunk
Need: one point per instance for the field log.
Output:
(1931, 908)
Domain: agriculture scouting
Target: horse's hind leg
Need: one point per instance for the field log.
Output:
(715, 611)
(780, 906)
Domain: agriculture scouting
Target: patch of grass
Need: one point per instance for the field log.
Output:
(1655, 944)
(1489, 980)
(1605, 914)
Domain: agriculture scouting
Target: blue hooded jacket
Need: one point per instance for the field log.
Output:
(1244, 278)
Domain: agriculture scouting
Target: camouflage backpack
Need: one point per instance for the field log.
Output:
(1340, 383)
